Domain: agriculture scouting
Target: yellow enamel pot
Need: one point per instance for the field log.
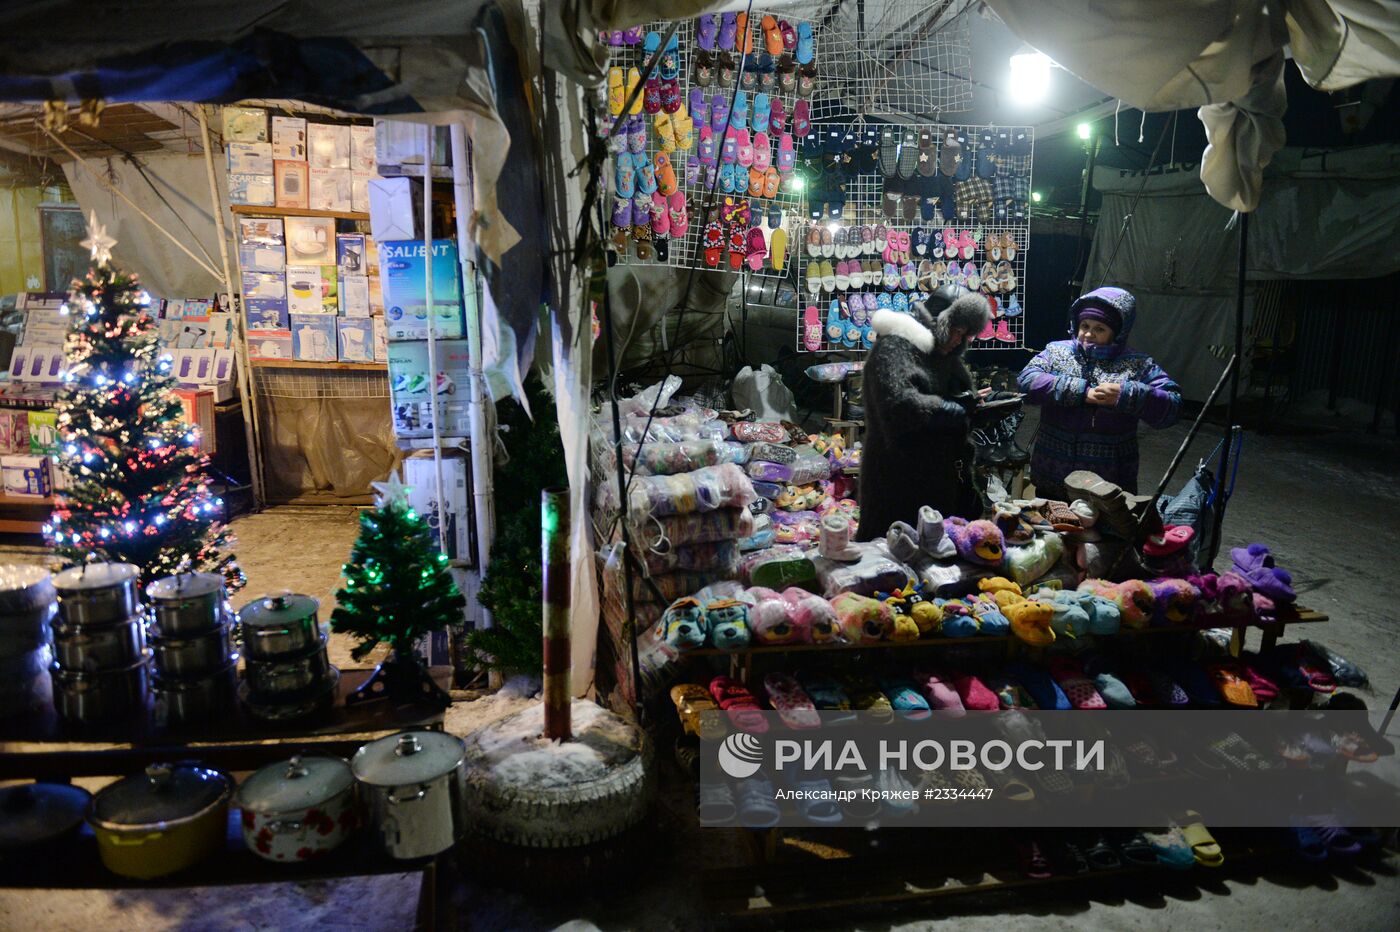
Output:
(161, 821)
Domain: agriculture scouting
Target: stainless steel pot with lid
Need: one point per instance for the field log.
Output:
(279, 625)
(79, 647)
(414, 783)
(25, 588)
(188, 603)
(97, 593)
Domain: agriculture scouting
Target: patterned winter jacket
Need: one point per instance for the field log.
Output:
(1076, 435)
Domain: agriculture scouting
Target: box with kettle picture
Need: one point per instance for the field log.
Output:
(314, 337)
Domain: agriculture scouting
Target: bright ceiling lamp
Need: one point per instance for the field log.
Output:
(1030, 76)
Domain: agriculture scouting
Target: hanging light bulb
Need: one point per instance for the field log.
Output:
(1030, 76)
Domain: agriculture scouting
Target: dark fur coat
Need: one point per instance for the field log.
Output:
(917, 450)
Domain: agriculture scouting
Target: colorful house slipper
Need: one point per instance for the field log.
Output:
(789, 700)
(717, 804)
(1171, 848)
(904, 700)
(939, 693)
(865, 697)
(815, 802)
(756, 806)
(692, 702)
(1204, 847)
(739, 704)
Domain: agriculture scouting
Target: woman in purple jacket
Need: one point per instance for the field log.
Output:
(1094, 389)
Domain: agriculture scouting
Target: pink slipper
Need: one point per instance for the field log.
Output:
(975, 695)
(680, 219)
(950, 243)
(811, 329)
(757, 249)
(791, 701)
(940, 694)
(739, 704)
(1068, 673)
(967, 245)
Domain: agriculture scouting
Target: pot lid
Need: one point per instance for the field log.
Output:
(185, 586)
(164, 793)
(35, 812)
(21, 576)
(280, 608)
(295, 784)
(92, 576)
(409, 757)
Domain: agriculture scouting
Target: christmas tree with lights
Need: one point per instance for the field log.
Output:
(139, 490)
(397, 589)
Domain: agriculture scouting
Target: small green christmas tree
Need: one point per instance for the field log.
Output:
(140, 492)
(397, 585)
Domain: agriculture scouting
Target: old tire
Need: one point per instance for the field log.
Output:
(567, 814)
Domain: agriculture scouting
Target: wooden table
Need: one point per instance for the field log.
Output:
(44, 749)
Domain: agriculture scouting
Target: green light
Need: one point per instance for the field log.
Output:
(550, 520)
(1035, 196)
(1084, 130)
(798, 183)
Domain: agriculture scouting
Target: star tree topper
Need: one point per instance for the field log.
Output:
(393, 492)
(98, 242)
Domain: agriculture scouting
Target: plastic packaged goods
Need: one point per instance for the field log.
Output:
(706, 489)
(875, 571)
(692, 425)
(668, 586)
(667, 459)
(715, 557)
(802, 470)
(768, 491)
(772, 453)
(698, 528)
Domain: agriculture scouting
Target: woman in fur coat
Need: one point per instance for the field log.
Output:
(1094, 389)
(917, 450)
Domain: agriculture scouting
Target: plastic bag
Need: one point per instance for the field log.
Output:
(665, 459)
(764, 393)
(706, 489)
(875, 571)
(715, 557)
(701, 527)
(642, 402)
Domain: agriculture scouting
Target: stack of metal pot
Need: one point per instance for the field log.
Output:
(286, 673)
(27, 605)
(191, 628)
(102, 665)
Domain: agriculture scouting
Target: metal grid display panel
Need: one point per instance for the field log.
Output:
(912, 60)
(688, 251)
(293, 383)
(864, 205)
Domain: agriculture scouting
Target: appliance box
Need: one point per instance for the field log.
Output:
(401, 275)
(409, 392)
(314, 337)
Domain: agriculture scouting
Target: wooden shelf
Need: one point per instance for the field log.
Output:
(310, 364)
(22, 500)
(253, 210)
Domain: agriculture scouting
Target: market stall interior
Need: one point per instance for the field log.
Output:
(805, 450)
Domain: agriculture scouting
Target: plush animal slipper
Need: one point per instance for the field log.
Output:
(739, 704)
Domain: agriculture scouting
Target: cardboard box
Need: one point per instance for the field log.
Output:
(356, 339)
(359, 192)
(454, 515)
(354, 296)
(223, 331)
(268, 318)
(395, 209)
(362, 149)
(253, 190)
(254, 257)
(350, 253)
(289, 138)
(169, 329)
(270, 344)
(264, 289)
(371, 257)
(244, 124)
(38, 364)
(250, 158)
(261, 231)
(327, 145)
(314, 337)
(381, 340)
(27, 475)
(197, 405)
(293, 183)
(44, 326)
(330, 190)
(14, 431)
(409, 383)
(397, 142)
(43, 433)
(402, 273)
(304, 289)
(62, 477)
(310, 241)
(376, 297)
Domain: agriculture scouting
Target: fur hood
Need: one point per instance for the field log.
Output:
(919, 327)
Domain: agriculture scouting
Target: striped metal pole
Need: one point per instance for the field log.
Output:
(558, 659)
